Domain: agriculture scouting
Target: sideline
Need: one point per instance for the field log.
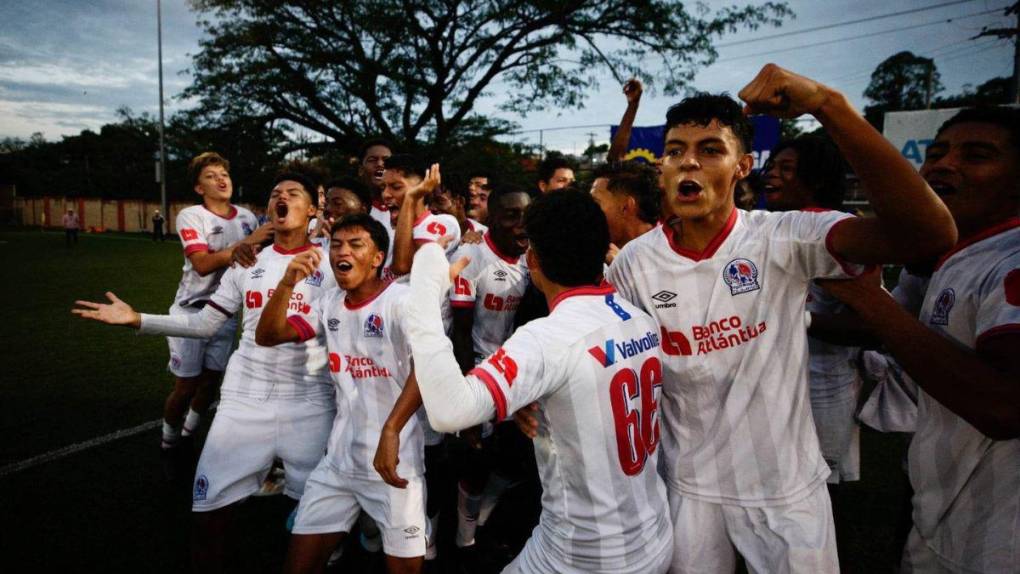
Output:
(77, 447)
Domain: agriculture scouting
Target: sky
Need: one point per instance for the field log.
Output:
(68, 65)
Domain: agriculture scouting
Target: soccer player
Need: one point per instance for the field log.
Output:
(407, 185)
(343, 196)
(743, 468)
(630, 198)
(371, 165)
(484, 298)
(962, 352)
(209, 234)
(370, 362)
(555, 173)
(632, 89)
(594, 366)
(807, 173)
(275, 402)
(479, 188)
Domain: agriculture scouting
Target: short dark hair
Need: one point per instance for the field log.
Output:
(638, 180)
(549, 165)
(375, 230)
(1004, 117)
(700, 109)
(372, 143)
(456, 185)
(819, 165)
(406, 164)
(306, 183)
(204, 160)
(359, 189)
(496, 195)
(570, 236)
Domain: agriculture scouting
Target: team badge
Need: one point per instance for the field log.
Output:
(333, 324)
(201, 487)
(315, 279)
(374, 326)
(943, 305)
(246, 228)
(741, 276)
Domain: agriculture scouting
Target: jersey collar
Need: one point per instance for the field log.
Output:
(992, 231)
(712, 246)
(492, 246)
(605, 289)
(229, 216)
(359, 305)
(294, 251)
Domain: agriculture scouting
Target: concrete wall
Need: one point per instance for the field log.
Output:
(131, 215)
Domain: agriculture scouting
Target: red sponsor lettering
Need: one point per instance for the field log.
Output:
(436, 228)
(188, 234)
(253, 299)
(674, 343)
(334, 363)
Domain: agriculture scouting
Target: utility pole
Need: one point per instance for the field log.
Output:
(1014, 34)
(162, 147)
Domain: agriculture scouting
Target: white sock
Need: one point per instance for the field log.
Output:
(467, 516)
(190, 422)
(170, 435)
(494, 489)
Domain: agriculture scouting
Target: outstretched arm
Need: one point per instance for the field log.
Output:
(911, 222)
(410, 210)
(201, 325)
(274, 328)
(632, 89)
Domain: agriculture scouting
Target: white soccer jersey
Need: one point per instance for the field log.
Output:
(379, 213)
(432, 226)
(288, 369)
(492, 284)
(595, 369)
(910, 291)
(832, 368)
(966, 485)
(369, 360)
(203, 230)
(476, 226)
(738, 428)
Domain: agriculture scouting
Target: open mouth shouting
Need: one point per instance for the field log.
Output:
(377, 176)
(281, 211)
(344, 267)
(942, 188)
(688, 190)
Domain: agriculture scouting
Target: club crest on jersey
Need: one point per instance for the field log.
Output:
(246, 228)
(741, 276)
(315, 279)
(201, 487)
(258, 273)
(374, 326)
(333, 324)
(607, 354)
(943, 305)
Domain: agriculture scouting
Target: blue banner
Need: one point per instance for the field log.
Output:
(646, 142)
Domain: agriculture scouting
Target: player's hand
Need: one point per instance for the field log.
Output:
(116, 312)
(611, 253)
(387, 458)
(859, 291)
(633, 89)
(783, 94)
(427, 185)
(322, 228)
(245, 254)
(471, 238)
(527, 420)
(457, 266)
(302, 266)
(261, 235)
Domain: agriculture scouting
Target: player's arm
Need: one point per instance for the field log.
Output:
(412, 208)
(982, 386)
(632, 89)
(911, 222)
(463, 346)
(201, 325)
(845, 328)
(274, 326)
(386, 455)
(205, 262)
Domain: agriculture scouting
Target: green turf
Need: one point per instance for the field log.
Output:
(108, 509)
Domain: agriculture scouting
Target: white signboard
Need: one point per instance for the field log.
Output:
(913, 132)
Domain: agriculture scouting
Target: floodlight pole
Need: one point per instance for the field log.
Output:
(162, 148)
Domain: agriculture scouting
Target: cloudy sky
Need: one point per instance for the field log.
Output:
(67, 65)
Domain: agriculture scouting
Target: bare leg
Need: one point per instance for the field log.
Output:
(396, 565)
(208, 536)
(308, 553)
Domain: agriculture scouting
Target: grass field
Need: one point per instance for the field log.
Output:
(107, 509)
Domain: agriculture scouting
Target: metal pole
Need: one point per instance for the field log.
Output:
(1014, 84)
(162, 148)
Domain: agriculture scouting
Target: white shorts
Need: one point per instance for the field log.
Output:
(541, 556)
(839, 435)
(189, 356)
(798, 537)
(333, 500)
(247, 434)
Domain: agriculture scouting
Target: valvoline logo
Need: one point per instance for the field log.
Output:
(607, 355)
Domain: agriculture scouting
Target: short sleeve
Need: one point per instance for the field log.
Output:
(807, 237)
(229, 295)
(308, 321)
(464, 288)
(618, 276)
(998, 310)
(515, 374)
(431, 227)
(189, 229)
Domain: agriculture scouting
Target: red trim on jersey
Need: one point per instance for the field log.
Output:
(463, 304)
(360, 304)
(979, 236)
(816, 209)
(304, 330)
(294, 251)
(378, 204)
(229, 216)
(421, 218)
(492, 246)
(498, 398)
(195, 248)
(1007, 329)
(220, 309)
(606, 289)
(709, 249)
(843, 263)
(470, 225)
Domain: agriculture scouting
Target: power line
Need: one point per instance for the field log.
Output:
(840, 24)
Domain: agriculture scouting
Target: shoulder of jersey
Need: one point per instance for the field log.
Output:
(244, 211)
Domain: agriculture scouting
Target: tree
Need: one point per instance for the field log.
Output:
(991, 93)
(415, 69)
(902, 81)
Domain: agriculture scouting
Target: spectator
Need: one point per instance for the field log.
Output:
(70, 222)
(157, 226)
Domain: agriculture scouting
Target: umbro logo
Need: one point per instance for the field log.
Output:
(333, 324)
(500, 275)
(664, 297)
(258, 273)
(412, 531)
